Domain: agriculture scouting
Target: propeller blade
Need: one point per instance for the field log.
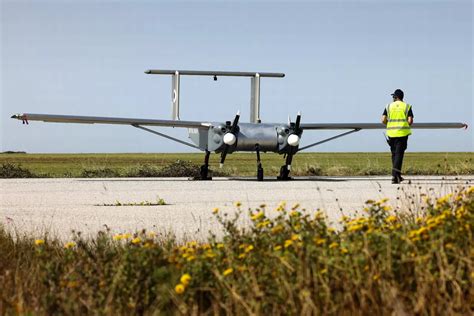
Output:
(297, 123)
(223, 155)
(233, 130)
(235, 123)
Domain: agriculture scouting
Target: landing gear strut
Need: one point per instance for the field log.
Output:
(259, 164)
(205, 168)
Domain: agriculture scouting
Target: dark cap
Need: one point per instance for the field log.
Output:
(398, 93)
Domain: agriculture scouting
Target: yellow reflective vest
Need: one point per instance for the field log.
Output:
(397, 116)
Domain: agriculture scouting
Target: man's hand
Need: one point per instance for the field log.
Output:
(410, 120)
(384, 119)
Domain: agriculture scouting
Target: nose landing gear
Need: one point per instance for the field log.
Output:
(259, 164)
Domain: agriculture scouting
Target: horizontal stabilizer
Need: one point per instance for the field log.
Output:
(214, 73)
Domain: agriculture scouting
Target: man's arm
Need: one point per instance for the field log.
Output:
(384, 117)
(410, 116)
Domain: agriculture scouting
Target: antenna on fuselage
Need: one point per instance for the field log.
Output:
(254, 86)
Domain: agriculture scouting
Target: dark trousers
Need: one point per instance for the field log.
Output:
(398, 145)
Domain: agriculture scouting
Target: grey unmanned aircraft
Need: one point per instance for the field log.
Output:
(231, 136)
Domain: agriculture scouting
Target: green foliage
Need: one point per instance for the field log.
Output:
(159, 201)
(413, 261)
(10, 170)
(99, 173)
(143, 171)
(241, 164)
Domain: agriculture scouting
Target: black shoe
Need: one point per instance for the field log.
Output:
(395, 180)
(400, 179)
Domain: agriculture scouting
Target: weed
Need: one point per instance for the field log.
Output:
(294, 263)
(9, 170)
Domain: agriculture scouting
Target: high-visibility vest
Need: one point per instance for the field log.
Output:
(397, 125)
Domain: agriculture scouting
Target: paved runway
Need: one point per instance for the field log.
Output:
(59, 206)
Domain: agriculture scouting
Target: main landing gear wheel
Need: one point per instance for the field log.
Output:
(204, 172)
(284, 173)
(260, 174)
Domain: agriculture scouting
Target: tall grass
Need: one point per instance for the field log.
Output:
(237, 164)
(381, 263)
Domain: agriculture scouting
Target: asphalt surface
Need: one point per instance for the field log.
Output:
(59, 206)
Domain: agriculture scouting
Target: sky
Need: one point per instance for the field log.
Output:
(342, 59)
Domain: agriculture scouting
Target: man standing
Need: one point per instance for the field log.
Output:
(398, 116)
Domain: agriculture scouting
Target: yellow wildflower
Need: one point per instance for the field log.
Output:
(126, 236)
(324, 271)
(151, 235)
(344, 250)
(294, 213)
(242, 256)
(354, 228)
(191, 243)
(319, 241)
(318, 215)
(277, 248)
(249, 248)
(69, 245)
(288, 243)
(220, 246)
(376, 277)
(238, 204)
(227, 272)
(257, 216)
(263, 224)
(136, 240)
(179, 289)
(277, 229)
(333, 245)
(39, 242)
(391, 219)
(295, 237)
(210, 254)
(118, 237)
(185, 279)
(331, 230)
(344, 219)
(191, 258)
(215, 210)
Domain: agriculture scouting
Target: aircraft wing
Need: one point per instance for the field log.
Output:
(25, 117)
(330, 126)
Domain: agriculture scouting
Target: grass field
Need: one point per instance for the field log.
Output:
(418, 261)
(244, 164)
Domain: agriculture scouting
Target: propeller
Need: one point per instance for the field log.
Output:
(230, 137)
(293, 139)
